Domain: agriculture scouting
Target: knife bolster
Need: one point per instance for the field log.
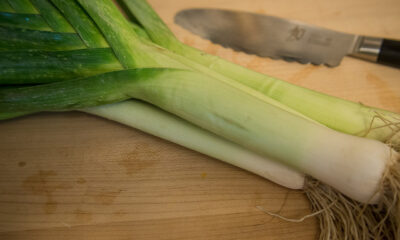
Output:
(367, 48)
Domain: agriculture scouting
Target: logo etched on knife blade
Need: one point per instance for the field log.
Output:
(296, 34)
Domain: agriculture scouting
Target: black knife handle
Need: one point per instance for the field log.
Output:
(389, 53)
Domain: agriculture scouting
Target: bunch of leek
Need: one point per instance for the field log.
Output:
(60, 55)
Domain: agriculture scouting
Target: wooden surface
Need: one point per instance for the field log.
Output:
(76, 176)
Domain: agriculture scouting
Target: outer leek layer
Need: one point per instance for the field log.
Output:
(28, 21)
(22, 39)
(83, 25)
(22, 6)
(20, 67)
(53, 17)
(5, 6)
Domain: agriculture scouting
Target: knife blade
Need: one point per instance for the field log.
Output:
(274, 37)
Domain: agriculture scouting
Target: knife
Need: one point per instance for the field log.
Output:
(274, 37)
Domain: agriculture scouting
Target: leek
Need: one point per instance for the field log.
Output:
(345, 116)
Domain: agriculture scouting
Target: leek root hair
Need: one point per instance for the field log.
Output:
(343, 218)
(391, 201)
(385, 122)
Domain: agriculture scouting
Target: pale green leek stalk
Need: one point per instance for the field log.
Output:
(155, 121)
(345, 116)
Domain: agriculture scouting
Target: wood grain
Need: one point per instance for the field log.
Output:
(62, 171)
(76, 176)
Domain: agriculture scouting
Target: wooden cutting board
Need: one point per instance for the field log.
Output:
(76, 176)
